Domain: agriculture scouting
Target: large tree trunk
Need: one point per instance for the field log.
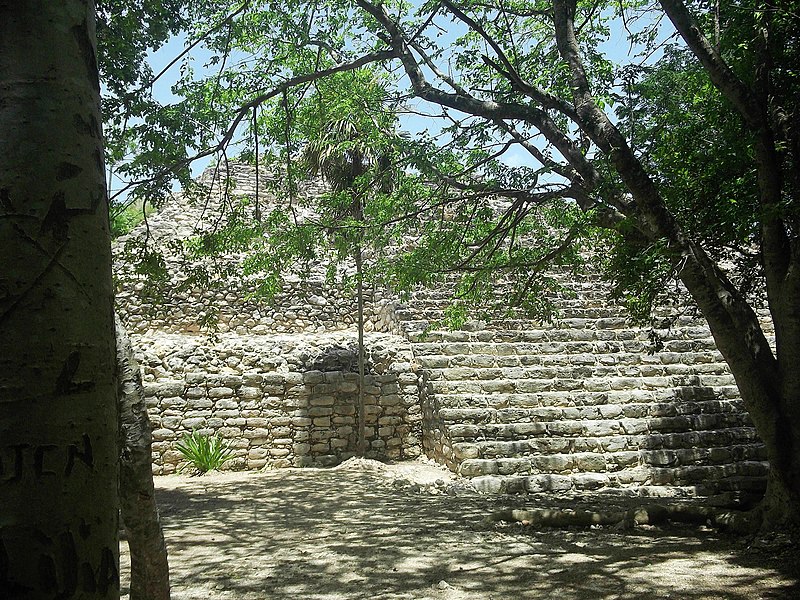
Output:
(769, 382)
(149, 566)
(58, 416)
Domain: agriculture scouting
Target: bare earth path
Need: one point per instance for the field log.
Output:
(360, 532)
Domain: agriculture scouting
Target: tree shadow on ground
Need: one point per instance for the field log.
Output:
(331, 534)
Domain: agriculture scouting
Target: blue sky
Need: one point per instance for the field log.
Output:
(616, 48)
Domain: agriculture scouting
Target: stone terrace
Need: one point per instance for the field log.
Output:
(515, 405)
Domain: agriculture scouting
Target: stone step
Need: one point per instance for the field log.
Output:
(687, 361)
(592, 384)
(598, 425)
(579, 399)
(724, 445)
(656, 418)
(592, 462)
(648, 481)
(576, 341)
(566, 369)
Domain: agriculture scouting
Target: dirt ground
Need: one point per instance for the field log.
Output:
(407, 531)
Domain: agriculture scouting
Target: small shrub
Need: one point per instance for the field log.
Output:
(204, 453)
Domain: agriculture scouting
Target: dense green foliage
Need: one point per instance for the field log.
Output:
(291, 80)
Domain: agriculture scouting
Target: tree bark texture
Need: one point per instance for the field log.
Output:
(149, 565)
(58, 415)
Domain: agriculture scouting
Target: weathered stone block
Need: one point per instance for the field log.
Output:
(321, 400)
(193, 423)
(554, 464)
(249, 392)
(548, 483)
(590, 481)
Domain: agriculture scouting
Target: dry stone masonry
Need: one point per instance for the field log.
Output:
(515, 405)
(281, 401)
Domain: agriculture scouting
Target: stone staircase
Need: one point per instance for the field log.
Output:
(582, 403)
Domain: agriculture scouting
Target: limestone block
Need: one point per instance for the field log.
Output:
(590, 481)
(320, 411)
(257, 434)
(488, 484)
(249, 392)
(301, 449)
(566, 428)
(226, 404)
(602, 428)
(195, 378)
(528, 429)
(477, 467)
(220, 392)
(313, 377)
(390, 400)
(195, 392)
(193, 423)
(463, 450)
(279, 452)
(590, 462)
(549, 446)
(548, 483)
(322, 421)
(163, 434)
(226, 414)
(633, 476)
(557, 463)
(321, 400)
(170, 423)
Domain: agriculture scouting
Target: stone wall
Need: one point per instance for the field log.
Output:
(280, 401)
(514, 404)
(175, 304)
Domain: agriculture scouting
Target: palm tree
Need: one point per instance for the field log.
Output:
(351, 162)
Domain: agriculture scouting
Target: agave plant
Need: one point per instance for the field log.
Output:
(204, 452)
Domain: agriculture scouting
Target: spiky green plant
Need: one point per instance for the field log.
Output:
(204, 452)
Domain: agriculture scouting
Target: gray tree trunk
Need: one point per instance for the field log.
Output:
(58, 415)
(149, 566)
(362, 408)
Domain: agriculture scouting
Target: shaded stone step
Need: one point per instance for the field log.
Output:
(461, 422)
(648, 482)
(598, 453)
(610, 402)
(608, 436)
(592, 384)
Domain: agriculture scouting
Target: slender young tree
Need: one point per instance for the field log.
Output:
(58, 414)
